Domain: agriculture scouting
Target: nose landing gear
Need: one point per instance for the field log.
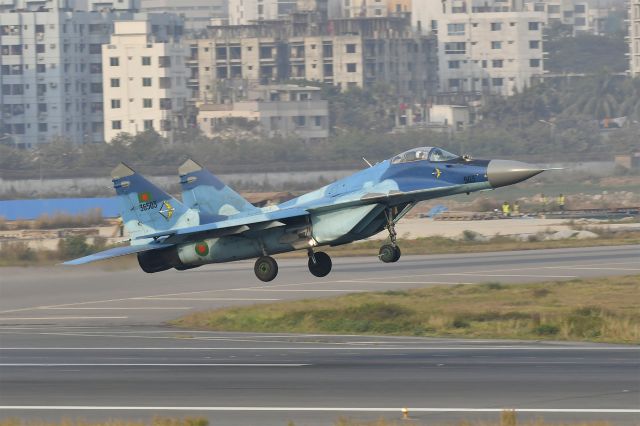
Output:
(390, 253)
(319, 264)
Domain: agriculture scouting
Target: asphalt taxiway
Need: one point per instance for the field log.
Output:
(90, 343)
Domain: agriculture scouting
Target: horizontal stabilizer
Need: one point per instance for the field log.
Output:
(116, 252)
(203, 190)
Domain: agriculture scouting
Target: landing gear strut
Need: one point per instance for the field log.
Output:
(266, 268)
(319, 263)
(390, 253)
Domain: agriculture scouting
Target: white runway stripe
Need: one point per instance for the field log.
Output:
(65, 364)
(208, 299)
(324, 409)
(55, 318)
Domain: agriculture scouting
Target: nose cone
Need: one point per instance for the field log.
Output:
(507, 172)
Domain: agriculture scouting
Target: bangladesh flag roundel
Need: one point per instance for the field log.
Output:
(202, 248)
(144, 197)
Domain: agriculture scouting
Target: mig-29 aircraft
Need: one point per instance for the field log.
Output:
(214, 224)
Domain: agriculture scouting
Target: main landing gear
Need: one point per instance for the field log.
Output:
(319, 263)
(266, 268)
(390, 253)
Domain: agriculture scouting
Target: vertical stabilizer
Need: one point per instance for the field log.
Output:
(203, 191)
(145, 208)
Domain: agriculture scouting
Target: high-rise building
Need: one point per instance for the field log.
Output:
(580, 15)
(51, 67)
(634, 37)
(357, 52)
(197, 14)
(144, 81)
(245, 12)
(493, 47)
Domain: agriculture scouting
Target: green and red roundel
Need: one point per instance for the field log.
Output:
(144, 197)
(202, 248)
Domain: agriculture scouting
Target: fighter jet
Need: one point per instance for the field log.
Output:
(214, 224)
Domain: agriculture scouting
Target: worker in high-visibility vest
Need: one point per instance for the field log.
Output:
(561, 202)
(506, 209)
(516, 208)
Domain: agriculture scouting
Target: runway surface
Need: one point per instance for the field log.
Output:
(90, 343)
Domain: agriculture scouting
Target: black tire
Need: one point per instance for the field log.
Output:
(322, 266)
(387, 253)
(398, 253)
(266, 268)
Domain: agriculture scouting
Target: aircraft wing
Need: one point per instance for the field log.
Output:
(257, 222)
(116, 252)
(394, 197)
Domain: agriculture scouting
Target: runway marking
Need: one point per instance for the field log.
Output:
(54, 318)
(324, 409)
(205, 299)
(145, 365)
(312, 290)
(137, 308)
(510, 275)
(323, 348)
(586, 268)
(378, 281)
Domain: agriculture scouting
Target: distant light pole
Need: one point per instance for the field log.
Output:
(552, 128)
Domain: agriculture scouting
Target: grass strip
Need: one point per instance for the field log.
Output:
(595, 310)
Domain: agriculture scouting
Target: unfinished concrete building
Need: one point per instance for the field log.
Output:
(357, 52)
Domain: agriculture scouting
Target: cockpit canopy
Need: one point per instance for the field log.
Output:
(423, 153)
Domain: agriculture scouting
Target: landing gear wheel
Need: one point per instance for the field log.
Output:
(266, 268)
(389, 253)
(319, 264)
(398, 253)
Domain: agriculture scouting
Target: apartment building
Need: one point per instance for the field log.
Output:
(358, 52)
(277, 109)
(582, 16)
(51, 67)
(483, 46)
(634, 37)
(144, 81)
(245, 12)
(197, 14)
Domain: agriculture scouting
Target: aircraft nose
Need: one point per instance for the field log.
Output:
(507, 172)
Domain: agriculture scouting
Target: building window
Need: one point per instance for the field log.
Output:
(42, 127)
(534, 26)
(164, 61)
(115, 82)
(497, 82)
(40, 48)
(454, 64)
(148, 124)
(165, 125)
(165, 82)
(455, 29)
(95, 48)
(146, 60)
(497, 63)
(580, 8)
(115, 103)
(146, 81)
(534, 44)
(266, 52)
(328, 70)
(496, 45)
(352, 67)
(96, 87)
(534, 63)
(351, 48)
(95, 68)
(327, 51)
(114, 62)
(455, 48)
(116, 125)
(300, 120)
(42, 107)
(496, 26)
(41, 68)
(165, 104)
(147, 103)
